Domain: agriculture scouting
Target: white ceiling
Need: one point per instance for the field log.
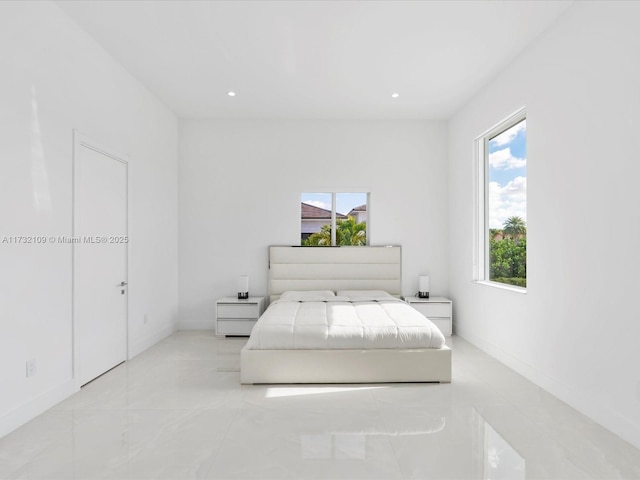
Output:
(314, 59)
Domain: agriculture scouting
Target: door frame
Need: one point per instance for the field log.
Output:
(82, 141)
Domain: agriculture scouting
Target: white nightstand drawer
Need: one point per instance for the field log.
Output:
(444, 324)
(436, 309)
(236, 316)
(250, 310)
(235, 327)
(433, 309)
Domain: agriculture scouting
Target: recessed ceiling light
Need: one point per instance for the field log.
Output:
(231, 94)
(395, 95)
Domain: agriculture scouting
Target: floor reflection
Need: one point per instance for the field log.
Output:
(338, 446)
(352, 444)
(499, 460)
(171, 413)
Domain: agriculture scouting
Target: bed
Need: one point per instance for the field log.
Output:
(332, 293)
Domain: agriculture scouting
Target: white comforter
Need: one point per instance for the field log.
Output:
(341, 323)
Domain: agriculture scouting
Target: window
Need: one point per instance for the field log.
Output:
(334, 219)
(502, 202)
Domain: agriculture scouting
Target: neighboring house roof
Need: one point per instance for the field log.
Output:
(311, 212)
(361, 208)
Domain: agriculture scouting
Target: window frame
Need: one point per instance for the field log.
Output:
(334, 202)
(482, 261)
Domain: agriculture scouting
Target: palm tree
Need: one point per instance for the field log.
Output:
(348, 232)
(319, 239)
(515, 228)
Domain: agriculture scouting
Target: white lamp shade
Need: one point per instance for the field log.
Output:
(423, 283)
(243, 284)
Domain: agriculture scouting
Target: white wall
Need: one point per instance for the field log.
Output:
(55, 78)
(240, 186)
(576, 330)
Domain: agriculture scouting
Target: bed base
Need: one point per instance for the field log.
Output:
(345, 366)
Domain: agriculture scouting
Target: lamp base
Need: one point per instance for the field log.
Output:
(243, 295)
(423, 294)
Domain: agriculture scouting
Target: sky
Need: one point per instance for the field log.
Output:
(508, 175)
(344, 201)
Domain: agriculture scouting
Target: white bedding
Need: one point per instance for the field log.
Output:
(341, 322)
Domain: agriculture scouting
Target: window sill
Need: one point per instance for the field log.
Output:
(502, 286)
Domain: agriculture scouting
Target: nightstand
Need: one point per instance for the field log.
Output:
(436, 309)
(237, 317)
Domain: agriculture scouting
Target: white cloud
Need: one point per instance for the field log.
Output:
(503, 160)
(507, 136)
(318, 203)
(507, 201)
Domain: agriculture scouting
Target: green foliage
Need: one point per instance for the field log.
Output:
(348, 232)
(493, 232)
(508, 256)
(518, 282)
(320, 239)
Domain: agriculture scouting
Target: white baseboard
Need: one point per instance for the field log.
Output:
(585, 404)
(142, 344)
(21, 415)
(196, 325)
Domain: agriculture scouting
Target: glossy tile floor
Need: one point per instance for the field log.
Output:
(177, 411)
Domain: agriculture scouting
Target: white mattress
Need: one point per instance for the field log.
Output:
(343, 323)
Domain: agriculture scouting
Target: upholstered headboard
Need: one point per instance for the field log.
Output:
(334, 268)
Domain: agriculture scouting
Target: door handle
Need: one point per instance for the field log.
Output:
(122, 284)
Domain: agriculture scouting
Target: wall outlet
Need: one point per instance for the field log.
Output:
(31, 367)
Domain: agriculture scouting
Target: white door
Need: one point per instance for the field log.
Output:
(99, 260)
